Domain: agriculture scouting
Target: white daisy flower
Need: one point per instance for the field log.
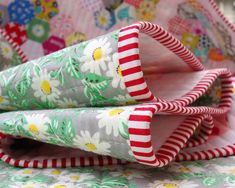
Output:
(96, 53)
(226, 169)
(31, 185)
(27, 172)
(103, 18)
(130, 173)
(125, 100)
(61, 185)
(173, 184)
(76, 177)
(36, 125)
(67, 103)
(91, 143)
(177, 167)
(112, 119)
(4, 100)
(55, 172)
(6, 50)
(115, 72)
(45, 87)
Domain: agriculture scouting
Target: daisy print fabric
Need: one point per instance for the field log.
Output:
(103, 132)
(86, 74)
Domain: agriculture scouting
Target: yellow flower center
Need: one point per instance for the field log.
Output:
(170, 185)
(28, 186)
(1, 99)
(59, 186)
(119, 71)
(75, 177)
(33, 128)
(27, 171)
(232, 171)
(115, 112)
(91, 146)
(56, 172)
(184, 169)
(71, 106)
(126, 173)
(46, 87)
(97, 54)
(103, 20)
(218, 92)
(6, 50)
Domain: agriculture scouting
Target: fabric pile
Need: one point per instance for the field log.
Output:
(145, 92)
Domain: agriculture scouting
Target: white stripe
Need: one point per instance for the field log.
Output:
(140, 138)
(132, 51)
(145, 158)
(144, 96)
(138, 124)
(129, 31)
(128, 41)
(142, 150)
(138, 87)
(133, 76)
(130, 64)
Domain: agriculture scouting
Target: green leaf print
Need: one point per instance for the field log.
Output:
(94, 84)
(11, 94)
(59, 75)
(105, 181)
(24, 84)
(73, 68)
(123, 130)
(37, 69)
(8, 126)
(61, 132)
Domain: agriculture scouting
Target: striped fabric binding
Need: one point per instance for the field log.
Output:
(140, 136)
(221, 15)
(140, 120)
(59, 162)
(15, 46)
(129, 57)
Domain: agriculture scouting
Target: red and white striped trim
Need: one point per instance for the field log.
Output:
(60, 162)
(129, 57)
(221, 15)
(140, 136)
(205, 83)
(14, 46)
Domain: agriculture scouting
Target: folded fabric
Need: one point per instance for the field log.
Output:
(133, 134)
(164, 105)
(49, 26)
(140, 62)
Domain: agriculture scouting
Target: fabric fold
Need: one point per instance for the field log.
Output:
(134, 95)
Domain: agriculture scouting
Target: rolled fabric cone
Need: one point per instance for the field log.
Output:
(140, 62)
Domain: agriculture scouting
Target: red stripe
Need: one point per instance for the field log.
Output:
(131, 70)
(139, 92)
(44, 163)
(91, 161)
(135, 82)
(81, 161)
(129, 58)
(63, 163)
(54, 163)
(110, 161)
(128, 36)
(128, 47)
(26, 164)
(139, 131)
(130, 27)
(140, 118)
(73, 162)
(35, 164)
(101, 161)
(140, 144)
(150, 154)
(17, 162)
